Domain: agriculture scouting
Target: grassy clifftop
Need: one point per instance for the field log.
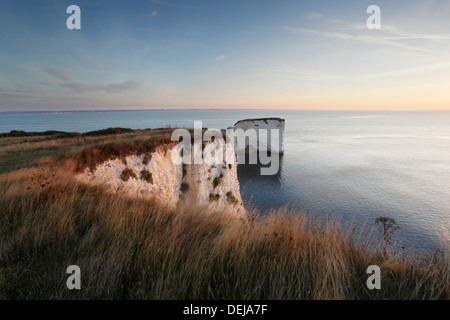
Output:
(136, 249)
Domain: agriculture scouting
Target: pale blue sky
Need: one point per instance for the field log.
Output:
(224, 54)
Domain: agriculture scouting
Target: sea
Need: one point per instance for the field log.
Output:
(352, 165)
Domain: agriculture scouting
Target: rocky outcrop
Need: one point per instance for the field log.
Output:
(268, 124)
(156, 176)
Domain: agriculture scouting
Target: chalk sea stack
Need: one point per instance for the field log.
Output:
(267, 124)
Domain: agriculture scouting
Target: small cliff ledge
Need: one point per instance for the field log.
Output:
(266, 124)
(155, 176)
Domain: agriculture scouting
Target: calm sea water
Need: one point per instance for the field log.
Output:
(358, 165)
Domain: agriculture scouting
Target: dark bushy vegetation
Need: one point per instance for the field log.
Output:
(184, 187)
(146, 159)
(128, 173)
(63, 134)
(214, 197)
(147, 176)
(104, 132)
(55, 134)
(231, 198)
(217, 181)
(96, 154)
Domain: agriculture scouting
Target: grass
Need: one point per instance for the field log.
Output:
(138, 249)
(16, 160)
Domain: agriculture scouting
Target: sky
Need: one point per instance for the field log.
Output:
(242, 54)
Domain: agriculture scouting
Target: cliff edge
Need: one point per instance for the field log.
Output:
(155, 176)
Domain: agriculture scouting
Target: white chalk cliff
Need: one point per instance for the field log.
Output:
(155, 176)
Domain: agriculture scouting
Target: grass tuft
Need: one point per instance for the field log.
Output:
(231, 198)
(217, 181)
(127, 173)
(147, 176)
(214, 197)
(184, 187)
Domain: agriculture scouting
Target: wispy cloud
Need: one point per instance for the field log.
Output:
(312, 15)
(14, 95)
(81, 87)
(118, 87)
(409, 71)
(360, 38)
(391, 32)
(152, 14)
(58, 73)
(124, 86)
(389, 35)
(172, 4)
(220, 58)
(290, 73)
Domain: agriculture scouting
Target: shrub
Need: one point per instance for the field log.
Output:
(55, 134)
(217, 181)
(104, 132)
(214, 197)
(146, 159)
(147, 176)
(231, 198)
(127, 174)
(184, 187)
(387, 226)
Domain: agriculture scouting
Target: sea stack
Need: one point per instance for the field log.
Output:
(268, 124)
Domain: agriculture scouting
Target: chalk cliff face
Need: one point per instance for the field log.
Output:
(155, 176)
(215, 184)
(267, 124)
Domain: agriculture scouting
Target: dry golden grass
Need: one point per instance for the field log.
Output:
(137, 249)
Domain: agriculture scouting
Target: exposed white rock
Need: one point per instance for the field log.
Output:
(263, 144)
(168, 179)
(165, 174)
(216, 185)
